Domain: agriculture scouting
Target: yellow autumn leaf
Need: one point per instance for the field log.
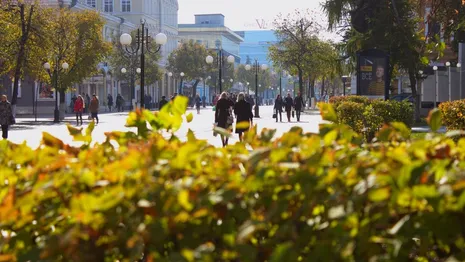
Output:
(183, 200)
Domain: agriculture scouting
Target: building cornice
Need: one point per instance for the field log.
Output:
(183, 28)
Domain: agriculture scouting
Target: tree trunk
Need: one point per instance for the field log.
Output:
(322, 90)
(312, 88)
(20, 59)
(416, 96)
(194, 88)
(301, 81)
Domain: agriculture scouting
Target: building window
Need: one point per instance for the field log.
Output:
(126, 5)
(108, 6)
(91, 3)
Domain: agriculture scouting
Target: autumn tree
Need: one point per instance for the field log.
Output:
(23, 30)
(326, 65)
(189, 58)
(295, 34)
(75, 38)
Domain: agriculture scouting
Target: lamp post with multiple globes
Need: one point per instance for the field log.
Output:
(220, 63)
(256, 69)
(54, 78)
(143, 41)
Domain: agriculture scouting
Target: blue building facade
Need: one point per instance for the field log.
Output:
(256, 44)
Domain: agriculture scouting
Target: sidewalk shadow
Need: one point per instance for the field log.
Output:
(25, 125)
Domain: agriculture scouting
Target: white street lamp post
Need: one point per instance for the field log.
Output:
(47, 67)
(435, 68)
(459, 66)
(256, 69)
(450, 81)
(220, 63)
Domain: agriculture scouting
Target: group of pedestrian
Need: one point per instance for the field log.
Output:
(288, 104)
(80, 107)
(225, 110)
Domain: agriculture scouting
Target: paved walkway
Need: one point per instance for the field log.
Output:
(29, 131)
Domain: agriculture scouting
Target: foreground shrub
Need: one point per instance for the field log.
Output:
(453, 114)
(300, 197)
(367, 116)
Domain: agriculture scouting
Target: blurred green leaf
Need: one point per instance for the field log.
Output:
(434, 120)
(380, 194)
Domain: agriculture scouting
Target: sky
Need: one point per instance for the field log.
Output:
(243, 14)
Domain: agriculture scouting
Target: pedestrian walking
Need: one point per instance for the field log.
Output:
(198, 103)
(244, 116)
(147, 101)
(73, 100)
(251, 102)
(87, 101)
(278, 108)
(162, 102)
(109, 101)
(298, 105)
(6, 116)
(288, 104)
(78, 109)
(223, 116)
(94, 106)
(119, 103)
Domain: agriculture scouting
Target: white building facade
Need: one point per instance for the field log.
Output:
(121, 16)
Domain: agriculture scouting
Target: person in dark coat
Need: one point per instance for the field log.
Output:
(288, 104)
(6, 116)
(278, 107)
(162, 102)
(147, 101)
(223, 114)
(298, 105)
(88, 101)
(198, 102)
(109, 101)
(119, 103)
(243, 115)
(94, 107)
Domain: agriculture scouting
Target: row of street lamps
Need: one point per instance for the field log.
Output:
(142, 47)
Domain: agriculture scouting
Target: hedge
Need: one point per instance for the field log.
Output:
(367, 116)
(149, 196)
(453, 114)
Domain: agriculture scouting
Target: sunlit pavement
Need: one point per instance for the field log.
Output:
(29, 131)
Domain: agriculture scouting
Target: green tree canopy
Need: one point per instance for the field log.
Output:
(189, 58)
(248, 76)
(296, 35)
(392, 26)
